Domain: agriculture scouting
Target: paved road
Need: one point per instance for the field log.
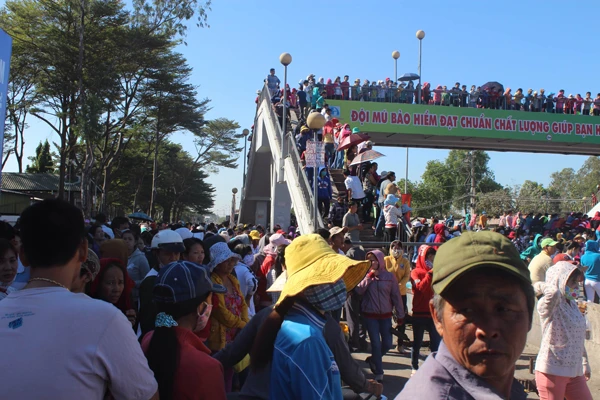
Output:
(397, 369)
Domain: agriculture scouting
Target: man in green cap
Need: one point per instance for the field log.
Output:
(540, 264)
(482, 308)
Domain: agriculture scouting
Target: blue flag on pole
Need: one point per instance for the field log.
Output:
(5, 53)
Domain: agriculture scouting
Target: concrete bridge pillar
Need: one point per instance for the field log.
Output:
(281, 202)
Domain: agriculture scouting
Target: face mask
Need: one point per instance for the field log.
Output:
(203, 318)
(396, 253)
(571, 294)
(429, 264)
(248, 260)
(327, 297)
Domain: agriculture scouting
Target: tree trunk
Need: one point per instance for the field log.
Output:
(86, 170)
(105, 188)
(63, 157)
(86, 180)
(167, 212)
(154, 177)
(19, 142)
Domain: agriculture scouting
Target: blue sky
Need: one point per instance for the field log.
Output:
(527, 44)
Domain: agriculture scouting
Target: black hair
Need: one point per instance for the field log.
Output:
(118, 221)
(147, 237)
(7, 231)
(280, 260)
(242, 249)
(5, 246)
(100, 218)
(64, 220)
(92, 230)
(232, 244)
(134, 232)
(573, 245)
(163, 350)
(324, 233)
(191, 242)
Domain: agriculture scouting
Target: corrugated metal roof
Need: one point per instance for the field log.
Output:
(25, 182)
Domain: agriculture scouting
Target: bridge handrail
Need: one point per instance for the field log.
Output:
(294, 157)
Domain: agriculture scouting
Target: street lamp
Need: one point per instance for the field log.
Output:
(245, 132)
(232, 215)
(420, 35)
(315, 121)
(395, 56)
(285, 59)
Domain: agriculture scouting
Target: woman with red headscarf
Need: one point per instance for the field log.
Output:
(113, 285)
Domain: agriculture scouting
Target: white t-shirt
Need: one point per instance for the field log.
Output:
(382, 189)
(353, 183)
(62, 345)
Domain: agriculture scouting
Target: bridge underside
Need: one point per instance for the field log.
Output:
(478, 143)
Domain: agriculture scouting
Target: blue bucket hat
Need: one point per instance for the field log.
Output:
(390, 200)
(181, 281)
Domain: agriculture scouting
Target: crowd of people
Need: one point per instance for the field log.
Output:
(251, 313)
(313, 93)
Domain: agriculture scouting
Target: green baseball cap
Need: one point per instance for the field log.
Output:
(475, 250)
(548, 242)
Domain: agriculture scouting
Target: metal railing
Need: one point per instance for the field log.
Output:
(472, 99)
(296, 178)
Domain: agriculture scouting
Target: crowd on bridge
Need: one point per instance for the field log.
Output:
(225, 311)
(312, 93)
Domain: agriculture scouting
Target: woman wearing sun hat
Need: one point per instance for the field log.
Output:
(291, 338)
(230, 313)
(181, 363)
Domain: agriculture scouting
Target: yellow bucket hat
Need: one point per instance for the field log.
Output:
(310, 261)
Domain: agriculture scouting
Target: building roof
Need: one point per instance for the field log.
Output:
(25, 182)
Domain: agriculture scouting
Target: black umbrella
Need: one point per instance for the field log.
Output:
(493, 87)
(141, 216)
(409, 76)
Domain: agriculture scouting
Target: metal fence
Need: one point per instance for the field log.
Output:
(457, 98)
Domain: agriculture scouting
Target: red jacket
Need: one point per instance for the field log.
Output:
(420, 279)
(439, 230)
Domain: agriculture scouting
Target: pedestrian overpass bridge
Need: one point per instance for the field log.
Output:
(275, 181)
(426, 126)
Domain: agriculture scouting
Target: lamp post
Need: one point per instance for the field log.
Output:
(315, 122)
(245, 132)
(395, 56)
(420, 36)
(285, 59)
(232, 214)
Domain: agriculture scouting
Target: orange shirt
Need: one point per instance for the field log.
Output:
(198, 376)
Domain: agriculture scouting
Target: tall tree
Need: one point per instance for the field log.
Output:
(42, 161)
(170, 105)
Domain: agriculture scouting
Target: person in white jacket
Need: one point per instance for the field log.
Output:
(392, 213)
(562, 368)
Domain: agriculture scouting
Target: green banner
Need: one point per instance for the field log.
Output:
(469, 122)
